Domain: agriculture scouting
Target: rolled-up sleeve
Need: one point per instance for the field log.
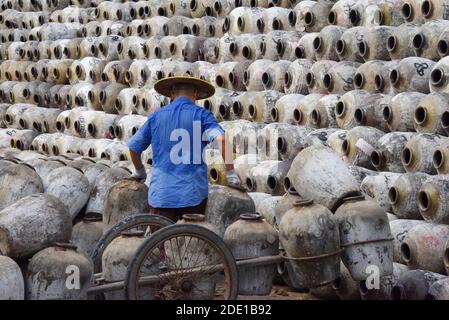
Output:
(211, 128)
(142, 139)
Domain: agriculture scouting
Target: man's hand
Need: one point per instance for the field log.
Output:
(139, 175)
(233, 179)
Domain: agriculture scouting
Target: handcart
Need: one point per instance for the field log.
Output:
(175, 261)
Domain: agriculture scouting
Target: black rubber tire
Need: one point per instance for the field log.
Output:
(178, 230)
(123, 225)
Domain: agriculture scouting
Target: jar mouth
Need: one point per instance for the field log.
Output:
(309, 18)
(132, 233)
(407, 11)
(281, 144)
(288, 186)
(426, 8)
(340, 109)
(214, 175)
(438, 159)
(345, 147)
(266, 79)
(437, 77)
(223, 110)
(446, 258)
(93, 217)
(300, 52)
(397, 293)
(406, 252)
(387, 113)
(315, 117)
(363, 288)
(252, 111)
(250, 184)
(418, 41)
(443, 47)
(303, 203)
(194, 217)
(274, 113)
(394, 77)
(363, 48)
(360, 116)
(251, 216)
(377, 158)
(393, 195)
(340, 46)
(272, 183)
(219, 80)
(379, 83)
(359, 80)
(310, 79)
(354, 17)
(246, 52)
(392, 43)
(297, 115)
(332, 17)
(327, 81)
(421, 115)
(336, 284)
(407, 157)
(237, 108)
(61, 245)
(317, 43)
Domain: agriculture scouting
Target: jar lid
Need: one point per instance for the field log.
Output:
(251, 216)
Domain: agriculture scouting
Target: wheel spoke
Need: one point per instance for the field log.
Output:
(185, 250)
(196, 267)
(198, 251)
(179, 248)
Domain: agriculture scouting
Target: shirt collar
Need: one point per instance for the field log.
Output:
(181, 100)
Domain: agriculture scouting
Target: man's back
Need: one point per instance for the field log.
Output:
(178, 134)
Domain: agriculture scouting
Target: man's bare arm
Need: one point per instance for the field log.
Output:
(136, 160)
(226, 151)
(140, 173)
(227, 154)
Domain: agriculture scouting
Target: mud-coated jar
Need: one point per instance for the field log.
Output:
(252, 237)
(309, 235)
(365, 234)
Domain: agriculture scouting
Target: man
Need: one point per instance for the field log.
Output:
(178, 134)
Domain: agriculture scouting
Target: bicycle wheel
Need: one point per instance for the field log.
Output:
(182, 262)
(146, 222)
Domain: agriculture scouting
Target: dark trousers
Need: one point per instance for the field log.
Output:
(175, 214)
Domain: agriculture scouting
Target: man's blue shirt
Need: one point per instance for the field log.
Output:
(178, 134)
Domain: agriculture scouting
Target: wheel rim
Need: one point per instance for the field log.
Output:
(182, 262)
(143, 222)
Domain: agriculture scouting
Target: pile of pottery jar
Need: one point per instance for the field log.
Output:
(338, 112)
